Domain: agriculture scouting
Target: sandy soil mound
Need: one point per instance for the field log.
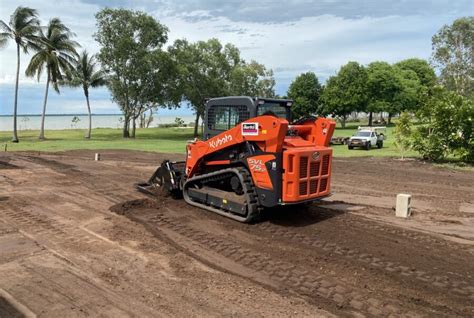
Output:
(127, 207)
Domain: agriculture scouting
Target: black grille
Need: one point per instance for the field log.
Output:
(313, 186)
(325, 168)
(303, 167)
(323, 185)
(314, 169)
(303, 188)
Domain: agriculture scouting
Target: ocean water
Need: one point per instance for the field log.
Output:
(55, 122)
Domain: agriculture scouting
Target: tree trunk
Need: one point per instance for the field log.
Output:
(126, 133)
(15, 103)
(149, 119)
(343, 121)
(196, 124)
(41, 135)
(389, 120)
(370, 118)
(134, 127)
(88, 135)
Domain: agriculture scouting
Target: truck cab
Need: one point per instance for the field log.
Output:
(367, 137)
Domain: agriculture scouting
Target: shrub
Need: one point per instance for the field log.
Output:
(446, 127)
(403, 133)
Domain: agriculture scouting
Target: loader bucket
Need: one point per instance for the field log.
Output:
(165, 180)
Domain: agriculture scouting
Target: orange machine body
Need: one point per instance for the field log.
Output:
(292, 162)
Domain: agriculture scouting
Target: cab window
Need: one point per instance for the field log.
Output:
(272, 109)
(223, 117)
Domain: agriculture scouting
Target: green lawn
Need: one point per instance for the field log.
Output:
(388, 150)
(154, 139)
(151, 139)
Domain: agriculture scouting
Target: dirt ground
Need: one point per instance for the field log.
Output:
(77, 240)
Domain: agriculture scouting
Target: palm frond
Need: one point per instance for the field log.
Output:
(36, 65)
(4, 37)
(4, 27)
(98, 79)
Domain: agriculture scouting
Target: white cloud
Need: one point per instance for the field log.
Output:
(78, 16)
(321, 44)
(300, 41)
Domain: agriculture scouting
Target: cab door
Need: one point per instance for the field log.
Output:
(373, 138)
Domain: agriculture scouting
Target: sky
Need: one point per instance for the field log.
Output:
(290, 37)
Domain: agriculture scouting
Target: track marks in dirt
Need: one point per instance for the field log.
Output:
(461, 288)
(289, 276)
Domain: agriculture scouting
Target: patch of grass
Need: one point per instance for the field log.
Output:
(160, 140)
(150, 139)
(388, 150)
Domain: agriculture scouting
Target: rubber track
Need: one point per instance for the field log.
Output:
(253, 205)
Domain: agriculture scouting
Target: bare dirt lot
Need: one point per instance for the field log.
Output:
(77, 240)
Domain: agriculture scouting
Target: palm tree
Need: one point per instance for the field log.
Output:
(56, 54)
(22, 28)
(87, 75)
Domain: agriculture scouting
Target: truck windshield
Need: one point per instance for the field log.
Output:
(272, 109)
(363, 134)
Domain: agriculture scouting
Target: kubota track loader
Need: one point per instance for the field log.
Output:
(250, 158)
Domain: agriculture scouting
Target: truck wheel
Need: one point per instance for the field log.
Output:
(380, 144)
(350, 147)
(368, 146)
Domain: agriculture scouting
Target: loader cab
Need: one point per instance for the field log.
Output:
(224, 113)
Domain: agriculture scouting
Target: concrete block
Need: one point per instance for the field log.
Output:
(97, 156)
(403, 208)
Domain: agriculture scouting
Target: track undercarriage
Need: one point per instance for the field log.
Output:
(229, 192)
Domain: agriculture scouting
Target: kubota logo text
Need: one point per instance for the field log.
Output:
(220, 141)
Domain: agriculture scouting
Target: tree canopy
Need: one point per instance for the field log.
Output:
(346, 92)
(306, 91)
(132, 56)
(453, 55)
(209, 69)
(383, 86)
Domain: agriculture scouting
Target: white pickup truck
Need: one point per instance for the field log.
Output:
(367, 137)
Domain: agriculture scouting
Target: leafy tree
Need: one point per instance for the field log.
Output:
(346, 92)
(403, 133)
(417, 79)
(86, 75)
(208, 69)
(252, 79)
(56, 53)
(425, 73)
(383, 87)
(179, 122)
(22, 28)
(204, 71)
(453, 51)
(410, 96)
(139, 72)
(74, 121)
(446, 127)
(306, 91)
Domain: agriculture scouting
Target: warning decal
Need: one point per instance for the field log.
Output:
(249, 129)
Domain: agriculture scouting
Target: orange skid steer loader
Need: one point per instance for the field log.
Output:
(250, 158)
